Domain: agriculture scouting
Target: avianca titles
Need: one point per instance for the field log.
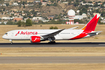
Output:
(52, 35)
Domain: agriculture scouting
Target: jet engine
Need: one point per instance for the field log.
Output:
(35, 39)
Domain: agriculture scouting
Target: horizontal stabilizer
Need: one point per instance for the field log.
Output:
(94, 33)
(73, 28)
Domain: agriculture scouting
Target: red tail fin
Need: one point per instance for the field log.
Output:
(91, 25)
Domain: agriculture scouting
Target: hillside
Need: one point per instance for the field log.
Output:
(95, 0)
(50, 8)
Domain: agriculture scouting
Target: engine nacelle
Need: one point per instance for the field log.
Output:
(35, 39)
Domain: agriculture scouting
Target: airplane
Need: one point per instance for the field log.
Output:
(36, 36)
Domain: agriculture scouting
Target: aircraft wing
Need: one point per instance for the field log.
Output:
(52, 34)
(73, 28)
(94, 33)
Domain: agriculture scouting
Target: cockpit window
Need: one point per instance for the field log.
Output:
(6, 33)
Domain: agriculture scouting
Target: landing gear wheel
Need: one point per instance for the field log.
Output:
(52, 42)
(11, 42)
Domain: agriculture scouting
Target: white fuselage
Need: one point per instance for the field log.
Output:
(26, 34)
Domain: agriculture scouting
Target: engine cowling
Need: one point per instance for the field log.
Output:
(35, 39)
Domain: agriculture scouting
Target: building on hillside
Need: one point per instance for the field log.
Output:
(30, 1)
(49, 2)
(17, 19)
(3, 4)
(45, 20)
(44, 3)
(25, 19)
(103, 21)
(7, 0)
(79, 17)
(16, 14)
(84, 15)
(50, 17)
(15, 4)
(41, 0)
(96, 13)
(6, 18)
(37, 1)
(65, 3)
(36, 19)
(87, 3)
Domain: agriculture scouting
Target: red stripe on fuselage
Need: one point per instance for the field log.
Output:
(83, 34)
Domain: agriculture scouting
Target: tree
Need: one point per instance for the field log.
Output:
(84, 1)
(2, 23)
(19, 23)
(1, 1)
(45, 18)
(76, 4)
(34, 13)
(28, 22)
(96, 4)
(10, 23)
(7, 4)
(80, 21)
(40, 22)
(55, 27)
(40, 3)
(24, 2)
(80, 12)
(89, 1)
(48, 5)
(55, 4)
(3, 9)
(99, 21)
(84, 10)
(102, 6)
(25, 16)
(52, 1)
(23, 24)
(51, 27)
(103, 14)
(24, 6)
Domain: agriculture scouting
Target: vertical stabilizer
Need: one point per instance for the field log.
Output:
(91, 25)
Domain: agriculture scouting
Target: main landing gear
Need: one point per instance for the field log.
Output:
(11, 41)
(51, 40)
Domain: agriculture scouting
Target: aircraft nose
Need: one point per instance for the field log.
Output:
(4, 37)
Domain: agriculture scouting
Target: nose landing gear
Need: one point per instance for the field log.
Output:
(11, 41)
